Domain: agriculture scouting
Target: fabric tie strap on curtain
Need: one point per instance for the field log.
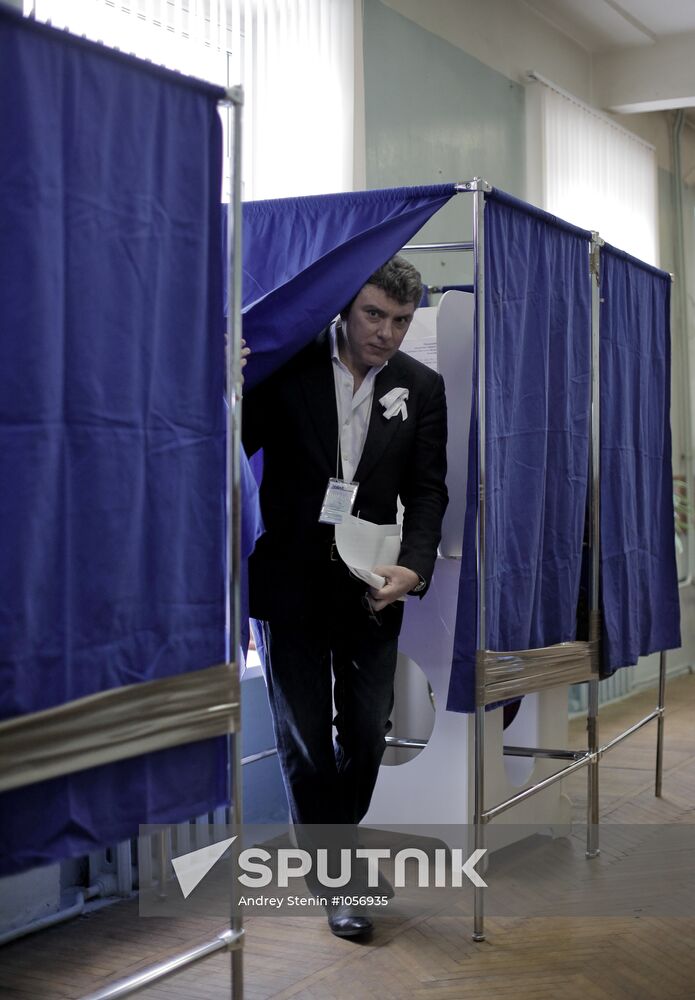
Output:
(639, 577)
(306, 258)
(111, 419)
(512, 674)
(537, 383)
(119, 723)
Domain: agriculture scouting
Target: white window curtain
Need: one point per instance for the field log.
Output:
(585, 168)
(300, 96)
(190, 37)
(294, 58)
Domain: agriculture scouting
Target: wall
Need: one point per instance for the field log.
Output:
(654, 128)
(506, 36)
(668, 261)
(433, 113)
(689, 220)
(28, 897)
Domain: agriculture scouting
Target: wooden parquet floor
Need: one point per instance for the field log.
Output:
(645, 950)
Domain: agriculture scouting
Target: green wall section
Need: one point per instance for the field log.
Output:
(436, 114)
(682, 343)
(665, 205)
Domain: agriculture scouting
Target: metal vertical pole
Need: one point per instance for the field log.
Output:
(163, 861)
(479, 747)
(592, 849)
(233, 502)
(660, 725)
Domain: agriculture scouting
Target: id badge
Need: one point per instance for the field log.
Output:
(338, 501)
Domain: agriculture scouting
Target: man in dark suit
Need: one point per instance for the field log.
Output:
(321, 418)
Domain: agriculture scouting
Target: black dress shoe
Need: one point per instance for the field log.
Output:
(347, 922)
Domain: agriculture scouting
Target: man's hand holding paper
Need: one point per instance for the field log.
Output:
(370, 551)
(399, 581)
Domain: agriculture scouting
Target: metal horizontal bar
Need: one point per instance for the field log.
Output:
(253, 757)
(396, 741)
(436, 247)
(118, 724)
(540, 752)
(583, 758)
(392, 741)
(226, 941)
(511, 673)
(633, 729)
(489, 814)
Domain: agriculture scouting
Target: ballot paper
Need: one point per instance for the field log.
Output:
(421, 342)
(362, 545)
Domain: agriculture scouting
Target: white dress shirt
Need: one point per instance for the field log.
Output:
(354, 408)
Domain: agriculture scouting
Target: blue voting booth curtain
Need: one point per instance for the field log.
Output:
(639, 579)
(111, 418)
(537, 383)
(305, 258)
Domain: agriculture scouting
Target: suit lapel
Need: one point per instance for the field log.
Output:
(381, 431)
(318, 389)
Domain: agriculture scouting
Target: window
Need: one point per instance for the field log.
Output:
(295, 59)
(585, 168)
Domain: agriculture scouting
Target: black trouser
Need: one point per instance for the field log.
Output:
(331, 782)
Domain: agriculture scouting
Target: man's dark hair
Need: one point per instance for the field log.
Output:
(399, 279)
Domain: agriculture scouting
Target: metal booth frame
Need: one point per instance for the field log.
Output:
(231, 939)
(98, 729)
(504, 674)
(499, 674)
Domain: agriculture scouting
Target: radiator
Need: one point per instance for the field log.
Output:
(618, 686)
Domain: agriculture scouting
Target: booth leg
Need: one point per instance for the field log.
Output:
(235, 819)
(163, 861)
(660, 725)
(592, 848)
(237, 974)
(478, 825)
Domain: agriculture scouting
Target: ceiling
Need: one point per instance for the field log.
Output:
(641, 50)
(601, 25)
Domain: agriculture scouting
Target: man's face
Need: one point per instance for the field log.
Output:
(374, 328)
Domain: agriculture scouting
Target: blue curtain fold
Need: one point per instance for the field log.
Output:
(111, 417)
(305, 258)
(639, 578)
(538, 382)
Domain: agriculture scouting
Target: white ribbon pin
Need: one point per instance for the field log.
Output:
(394, 402)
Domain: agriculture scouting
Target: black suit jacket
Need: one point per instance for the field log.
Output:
(293, 417)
